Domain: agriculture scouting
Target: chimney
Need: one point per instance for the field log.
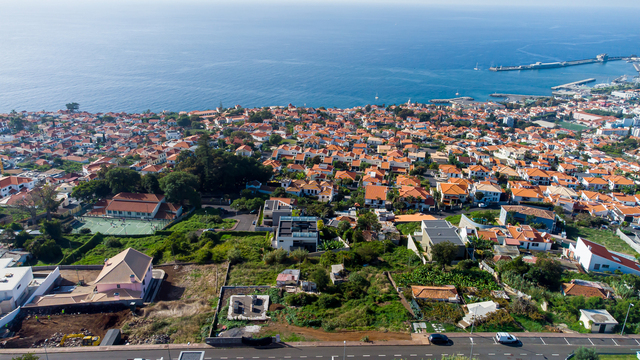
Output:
(132, 278)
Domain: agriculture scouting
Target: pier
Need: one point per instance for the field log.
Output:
(575, 83)
(601, 58)
(452, 100)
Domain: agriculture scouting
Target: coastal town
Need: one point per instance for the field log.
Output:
(286, 223)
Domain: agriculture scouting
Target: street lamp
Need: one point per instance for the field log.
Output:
(344, 353)
(626, 317)
(473, 317)
(45, 348)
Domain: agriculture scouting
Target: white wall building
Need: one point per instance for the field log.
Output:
(14, 281)
(595, 257)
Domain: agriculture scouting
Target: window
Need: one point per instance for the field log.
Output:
(18, 287)
(605, 266)
(118, 286)
(534, 244)
(596, 267)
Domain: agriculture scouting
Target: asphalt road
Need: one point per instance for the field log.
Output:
(483, 348)
(245, 221)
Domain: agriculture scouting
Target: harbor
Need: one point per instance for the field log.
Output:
(452, 100)
(601, 58)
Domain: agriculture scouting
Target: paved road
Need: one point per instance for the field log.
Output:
(483, 348)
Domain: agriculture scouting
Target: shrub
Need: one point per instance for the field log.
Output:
(113, 242)
(326, 301)
(299, 255)
(203, 256)
(300, 299)
(235, 256)
(277, 256)
(85, 231)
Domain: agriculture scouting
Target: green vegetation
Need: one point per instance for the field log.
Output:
(480, 216)
(207, 218)
(431, 275)
(410, 228)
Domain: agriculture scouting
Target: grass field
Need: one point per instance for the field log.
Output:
(618, 357)
(117, 226)
(607, 238)
(572, 126)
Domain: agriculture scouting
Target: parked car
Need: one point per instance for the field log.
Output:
(570, 356)
(635, 227)
(614, 223)
(604, 227)
(506, 338)
(482, 205)
(439, 339)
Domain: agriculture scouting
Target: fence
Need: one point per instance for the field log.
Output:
(403, 300)
(411, 245)
(628, 240)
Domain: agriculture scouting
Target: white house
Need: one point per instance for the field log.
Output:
(12, 184)
(491, 193)
(14, 283)
(595, 257)
(598, 321)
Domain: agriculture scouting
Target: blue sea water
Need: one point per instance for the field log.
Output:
(134, 56)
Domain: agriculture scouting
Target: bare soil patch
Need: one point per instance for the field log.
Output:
(310, 334)
(32, 333)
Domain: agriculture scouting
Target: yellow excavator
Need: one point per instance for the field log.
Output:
(86, 340)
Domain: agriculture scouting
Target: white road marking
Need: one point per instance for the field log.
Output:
(543, 341)
(494, 341)
(428, 354)
(555, 354)
(460, 354)
(303, 356)
(397, 355)
(272, 357)
(224, 358)
(615, 342)
(592, 342)
(471, 339)
(256, 357)
(381, 355)
(637, 342)
(507, 354)
(492, 354)
(539, 354)
(523, 354)
(565, 339)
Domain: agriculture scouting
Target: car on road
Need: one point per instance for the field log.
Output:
(570, 356)
(254, 222)
(439, 339)
(482, 205)
(506, 338)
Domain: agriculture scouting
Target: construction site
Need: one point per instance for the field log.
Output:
(181, 311)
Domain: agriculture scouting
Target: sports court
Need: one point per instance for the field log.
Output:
(118, 226)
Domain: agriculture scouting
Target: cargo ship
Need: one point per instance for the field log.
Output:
(602, 58)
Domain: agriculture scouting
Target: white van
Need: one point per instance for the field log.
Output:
(505, 338)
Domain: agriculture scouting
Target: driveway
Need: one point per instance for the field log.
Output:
(245, 221)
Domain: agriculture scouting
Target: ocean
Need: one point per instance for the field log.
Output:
(137, 56)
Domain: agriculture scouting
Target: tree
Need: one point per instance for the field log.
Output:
(368, 221)
(122, 180)
(180, 186)
(46, 197)
(479, 195)
(443, 253)
(86, 190)
(72, 107)
(52, 229)
(275, 139)
(28, 205)
(45, 249)
(150, 183)
(583, 353)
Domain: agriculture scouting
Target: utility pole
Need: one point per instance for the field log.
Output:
(626, 317)
(344, 353)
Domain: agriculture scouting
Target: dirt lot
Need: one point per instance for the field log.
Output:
(295, 333)
(191, 282)
(32, 332)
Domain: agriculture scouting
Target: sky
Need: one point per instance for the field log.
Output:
(446, 3)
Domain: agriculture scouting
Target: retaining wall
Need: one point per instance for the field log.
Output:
(628, 240)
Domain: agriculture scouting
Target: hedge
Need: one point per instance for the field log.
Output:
(79, 252)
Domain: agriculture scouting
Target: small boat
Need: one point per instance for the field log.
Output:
(457, 93)
(476, 68)
(376, 96)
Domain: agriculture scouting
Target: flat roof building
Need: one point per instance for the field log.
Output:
(297, 232)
